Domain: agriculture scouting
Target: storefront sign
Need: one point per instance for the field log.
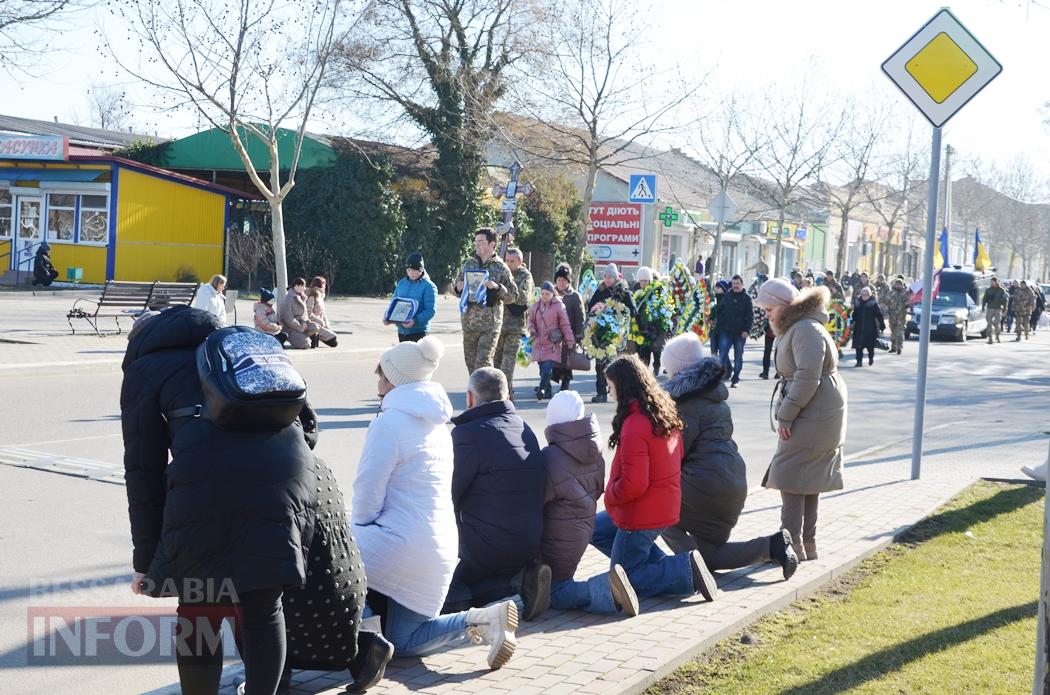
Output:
(615, 233)
(34, 147)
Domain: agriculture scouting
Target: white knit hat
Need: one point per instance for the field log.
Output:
(409, 362)
(682, 352)
(776, 292)
(644, 274)
(566, 406)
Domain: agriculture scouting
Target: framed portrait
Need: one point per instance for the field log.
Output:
(473, 283)
(401, 310)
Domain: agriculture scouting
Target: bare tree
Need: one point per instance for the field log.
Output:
(730, 140)
(589, 96)
(1023, 228)
(441, 63)
(108, 107)
(852, 155)
(23, 25)
(800, 146)
(246, 249)
(893, 195)
(248, 68)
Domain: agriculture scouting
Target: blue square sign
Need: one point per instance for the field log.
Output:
(641, 188)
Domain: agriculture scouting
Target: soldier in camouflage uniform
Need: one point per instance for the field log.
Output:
(994, 304)
(482, 321)
(897, 301)
(514, 318)
(881, 287)
(1023, 301)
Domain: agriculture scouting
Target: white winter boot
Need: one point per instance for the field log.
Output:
(495, 625)
(1036, 472)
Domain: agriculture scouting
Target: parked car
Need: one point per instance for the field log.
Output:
(956, 311)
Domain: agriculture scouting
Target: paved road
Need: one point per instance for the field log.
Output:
(56, 528)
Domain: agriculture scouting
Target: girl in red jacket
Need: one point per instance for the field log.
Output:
(644, 494)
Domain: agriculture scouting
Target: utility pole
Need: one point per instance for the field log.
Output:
(948, 152)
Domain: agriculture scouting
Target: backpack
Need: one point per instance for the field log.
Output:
(249, 382)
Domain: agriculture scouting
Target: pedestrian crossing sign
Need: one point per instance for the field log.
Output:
(941, 67)
(641, 188)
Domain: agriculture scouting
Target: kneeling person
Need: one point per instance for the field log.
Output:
(497, 491)
(575, 481)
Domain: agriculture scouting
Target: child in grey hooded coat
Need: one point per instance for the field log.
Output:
(575, 481)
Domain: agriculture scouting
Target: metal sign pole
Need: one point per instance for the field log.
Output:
(927, 305)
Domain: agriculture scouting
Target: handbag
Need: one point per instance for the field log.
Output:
(574, 360)
(882, 344)
(555, 335)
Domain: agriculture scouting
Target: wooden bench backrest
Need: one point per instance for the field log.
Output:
(142, 294)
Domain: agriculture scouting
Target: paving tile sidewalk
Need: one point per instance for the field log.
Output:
(574, 652)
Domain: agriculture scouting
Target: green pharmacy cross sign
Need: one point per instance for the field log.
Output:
(668, 216)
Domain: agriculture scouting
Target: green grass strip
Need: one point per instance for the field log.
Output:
(950, 608)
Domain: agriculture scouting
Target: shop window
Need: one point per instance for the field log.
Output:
(6, 213)
(94, 219)
(61, 216)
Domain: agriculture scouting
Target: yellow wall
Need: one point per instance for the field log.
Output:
(91, 258)
(5, 261)
(163, 226)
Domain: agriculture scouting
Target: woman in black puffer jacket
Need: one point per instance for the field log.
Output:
(228, 521)
(714, 478)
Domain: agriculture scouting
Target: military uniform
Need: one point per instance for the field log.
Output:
(514, 325)
(482, 321)
(994, 303)
(897, 303)
(880, 290)
(1022, 300)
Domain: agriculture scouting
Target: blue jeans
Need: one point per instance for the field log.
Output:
(593, 595)
(546, 368)
(414, 634)
(725, 340)
(651, 571)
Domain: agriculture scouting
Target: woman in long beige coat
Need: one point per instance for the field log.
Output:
(315, 311)
(810, 408)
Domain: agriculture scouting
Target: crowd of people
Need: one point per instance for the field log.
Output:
(496, 524)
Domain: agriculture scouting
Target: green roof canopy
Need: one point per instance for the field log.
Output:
(213, 150)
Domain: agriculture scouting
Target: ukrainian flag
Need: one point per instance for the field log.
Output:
(940, 254)
(981, 260)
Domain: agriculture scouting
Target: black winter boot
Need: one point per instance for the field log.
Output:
(332, 343)
(781, 552)
(315, 340)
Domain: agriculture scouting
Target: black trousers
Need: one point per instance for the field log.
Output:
(767, 354)
(860, 353)
(601, 385)
(410, 337)
(263, 646)
(647, 353)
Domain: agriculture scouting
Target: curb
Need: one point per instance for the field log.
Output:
(806, 589)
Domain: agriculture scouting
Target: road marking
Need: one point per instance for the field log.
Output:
(66, 441)
(89, 469)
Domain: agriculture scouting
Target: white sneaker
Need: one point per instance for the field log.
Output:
(495, 625)
(1036, 473)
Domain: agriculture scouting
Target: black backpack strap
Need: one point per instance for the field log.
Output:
(195, 411)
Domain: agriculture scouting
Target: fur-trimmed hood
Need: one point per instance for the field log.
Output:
(811, 303)
(704, 379)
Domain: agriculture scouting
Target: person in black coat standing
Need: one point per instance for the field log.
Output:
(868, 323)
(714, 477)
(498, 484)
(736, 315)
(611, 287)
(228, 521)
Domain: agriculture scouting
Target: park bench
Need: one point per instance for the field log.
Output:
(129, 299)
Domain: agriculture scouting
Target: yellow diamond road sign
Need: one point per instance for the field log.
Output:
(941, 67)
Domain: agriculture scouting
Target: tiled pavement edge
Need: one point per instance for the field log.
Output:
(574, 652)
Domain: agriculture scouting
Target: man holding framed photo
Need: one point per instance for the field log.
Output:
(484, 285)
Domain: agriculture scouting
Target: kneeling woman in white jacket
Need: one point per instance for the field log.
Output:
(403, 520)
(210, 298)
